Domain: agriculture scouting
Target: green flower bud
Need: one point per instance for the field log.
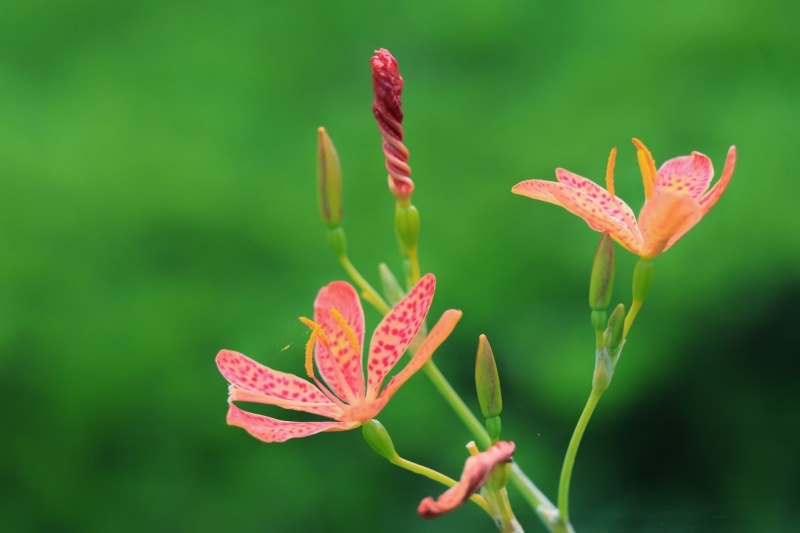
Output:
(642, 279)
(601, 284)
(406, 223)
(329, 181)
(391, 288)
(487, 380)
(379, 440)
(612, 337)
(493, 427)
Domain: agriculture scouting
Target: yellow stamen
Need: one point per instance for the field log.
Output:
(648, 167)
(610, 171)
(348, 331)
(316, 333)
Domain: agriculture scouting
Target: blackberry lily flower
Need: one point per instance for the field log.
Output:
(676, 198)
(337, 335)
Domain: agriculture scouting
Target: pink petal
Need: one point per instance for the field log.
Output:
(538, 190)
(273, 430)
(341, 365)
(710, 198)
(665, 217)
(396, 331)
(476, 473)
(612, 205)
(581, 204)
(688, 175)
(615, 218)
(264, 385)
(435, 338)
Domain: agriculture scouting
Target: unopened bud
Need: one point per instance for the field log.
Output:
(601, 284)
(406, 223)
(612, 336)
(487, 380)
(329, 181)
(379, 440)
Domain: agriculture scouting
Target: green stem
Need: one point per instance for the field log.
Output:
(413, 260)
(370, 294)
(572, 451)
(451, 396)
(535, 497)
(440, 478)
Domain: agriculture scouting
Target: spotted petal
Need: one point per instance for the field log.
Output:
(273, 430)
(341, 364)
(688, 175)
(396, 331)
(435, 338)
(254, 382)
(612, 205)
(580, 203)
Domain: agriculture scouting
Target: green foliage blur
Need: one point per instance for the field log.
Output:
(157, 204)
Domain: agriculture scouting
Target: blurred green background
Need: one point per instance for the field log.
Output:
(158, 204)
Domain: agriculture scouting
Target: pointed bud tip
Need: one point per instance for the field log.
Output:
(487, 380)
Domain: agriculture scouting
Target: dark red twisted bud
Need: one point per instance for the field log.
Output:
(387, 107)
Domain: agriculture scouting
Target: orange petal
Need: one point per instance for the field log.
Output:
(688, 175)
(254, 382)
(340, 363)
(396, 331)
(665, 217)
(476, 473)
(273, 430)
(710, 198)
(435, 338)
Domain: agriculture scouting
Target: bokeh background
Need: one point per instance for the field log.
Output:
(157, 203)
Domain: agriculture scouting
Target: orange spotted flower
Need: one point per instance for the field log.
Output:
(337, 335)
(676, 198)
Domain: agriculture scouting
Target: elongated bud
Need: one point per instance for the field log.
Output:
(391, 288)
(612, 337)
(642, 279)
(406, 224)
(487, 380)
(601, 284)
(387, 108)
(329, 180)
(379, 440)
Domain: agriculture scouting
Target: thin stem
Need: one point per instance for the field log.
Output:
(440, 478)
(370, 294)
(572, 451)
(535, 497)
(413, 259)
(629, 318)
(451, 396)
